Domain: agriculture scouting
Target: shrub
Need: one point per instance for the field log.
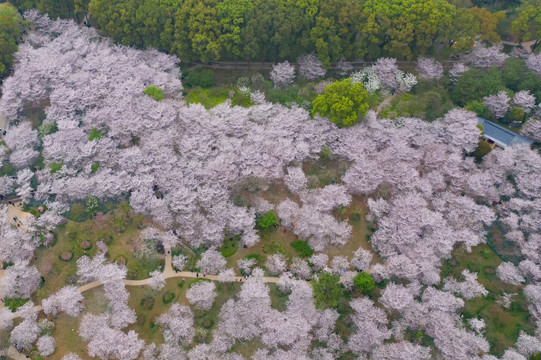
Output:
(364, 281)
(477, 107)
(230, 246)
(95, 167)
(55, 167)
(267, 221)
(148, 302)
(14, 303)
(517, 114)
(155, 92)
(303, 248)
(94, 134)
(168, 297)
(481, 150)
(47, 128)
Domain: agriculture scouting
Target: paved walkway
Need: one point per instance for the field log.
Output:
(526, 45)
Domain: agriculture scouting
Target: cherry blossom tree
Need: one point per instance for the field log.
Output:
(429, 68)
(401, 350)
(246, 265)
(533, 62)
(177, 325)
(6, 318)
(24, 334)
(386, 69)
(310, 67)
(211, 261)
(276, 264)
(319, 261)
(46, 345)
(508, 273)
(457, 71)
(532, 129)
(370, 325)
(226, 275)
(202, 294)
(339, 264)
(295, 180)
(343, 67)
(121, 314)
(96, 269)
(524, 100)
(157, 280)
(301, 269)
(68, 300)
(361, 259)
(487, 56)
(469, 288)
(282, 74)
(20, 280)
(368, 78)
(498, 104)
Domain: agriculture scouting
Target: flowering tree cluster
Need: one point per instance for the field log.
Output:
(282, 74)
(68, 300)
(202, 294)
(486, 56)
(384, 75)
(310, 67)
(498, 104)
(429, 68)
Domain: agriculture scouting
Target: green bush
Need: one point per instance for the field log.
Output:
(364, 281)
(475, 84)
(230, 246)
(155, 92)
(198, 77)
(240, 99)
(95, 133)
(327, 290)
(303, 248)
(168, 297)
(266, 221)
(47, 128)
(95, 167)
(481, 150)
(55, 167)
(14, 303)
(477, 107)
(517, 114)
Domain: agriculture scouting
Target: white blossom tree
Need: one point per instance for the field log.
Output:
(282, 74)
(46, 345)
(68, 300)
(429, 68)
(212, 261)
(508, 273)
(20, 280)
(179, 262)
(276, 264)
(533, 62)
(498, 104)
(177, 325)
(310, 67)
(202, 294)
(157, 280)
(457, 71)
(226, 275)
(524, 100)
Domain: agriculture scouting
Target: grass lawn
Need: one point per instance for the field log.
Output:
(119, 230)
(502, 325)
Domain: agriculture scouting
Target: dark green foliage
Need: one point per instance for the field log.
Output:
(198, 77)
(364, 281)
(95, 167)
(95, 134)
(517, 114)
(7, 169)
(303, 248)
(55, 167)
(267, 221)
(481, 150)
(5, 265)
(168, 297)
(154, 92)
(14, 303)
(327, 290)
(516, 76)
(475, 84)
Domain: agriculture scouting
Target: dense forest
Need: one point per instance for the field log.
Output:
(272, 30)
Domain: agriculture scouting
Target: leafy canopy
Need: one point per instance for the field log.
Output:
(364, 281)
(155, 92)
(303, 248)
(94, 134)
(327, 290)
(267, 221)
(343, 102)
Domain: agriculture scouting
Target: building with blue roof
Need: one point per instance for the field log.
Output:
(499, 135)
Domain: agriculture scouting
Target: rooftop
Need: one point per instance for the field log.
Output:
(500, 135)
